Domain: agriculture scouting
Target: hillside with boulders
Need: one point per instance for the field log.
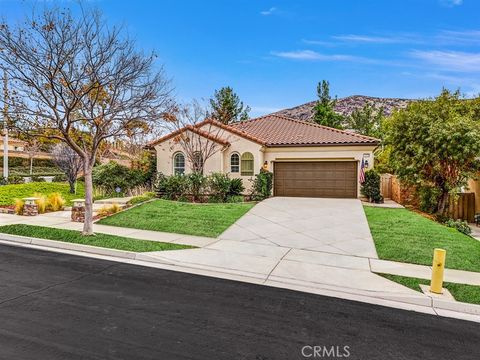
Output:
(345, 106)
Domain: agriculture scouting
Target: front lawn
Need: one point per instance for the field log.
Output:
(100, 240)
(461, 292)
(8, 193)
(402, 235)
(182, 218)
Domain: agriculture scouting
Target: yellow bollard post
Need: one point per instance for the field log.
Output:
(438, 267)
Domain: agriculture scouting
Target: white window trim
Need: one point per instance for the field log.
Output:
(184, 162)
(239, 162)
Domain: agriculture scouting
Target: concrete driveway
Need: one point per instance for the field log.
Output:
(337, 226)
(315, 245)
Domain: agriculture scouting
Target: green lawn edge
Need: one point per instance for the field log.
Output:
(405, 236)
(461, 292)
(208, 220)
(99, 239)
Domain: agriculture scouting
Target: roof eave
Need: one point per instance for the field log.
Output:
(324, 144)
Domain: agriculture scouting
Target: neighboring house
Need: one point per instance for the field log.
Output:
(307, 159)
(13, 144)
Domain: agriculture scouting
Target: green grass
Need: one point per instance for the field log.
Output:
(182, 218)
(8, 193)
(405, 236)
(100, 240)
(461, 292)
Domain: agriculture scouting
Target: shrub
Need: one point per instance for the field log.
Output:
(262, 185)
(55, 202)
(171, 187)
(15, 179)
(235, 199)
(41, 202)
(219, 186)
(236, 187)
(19, 204)
(371, 187)
(3, 181)
(36, 178)
(112, 175)
(59, 178)
(428, 198)
(196, 184)
(141, 198)
(460, 225)
(108, 210)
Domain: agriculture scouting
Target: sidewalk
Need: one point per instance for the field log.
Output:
(61, 220)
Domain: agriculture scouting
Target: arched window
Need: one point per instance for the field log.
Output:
(247, 164)
(234, 163)
(178, 164)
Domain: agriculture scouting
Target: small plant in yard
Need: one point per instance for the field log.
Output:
(196, 183)
(141, 198)
(371, 187)
(460, 225)
(55, 202)
(262, 185)
(108, 210)
(19, 205)
(41, 202)
(15, 179)
(219, 186)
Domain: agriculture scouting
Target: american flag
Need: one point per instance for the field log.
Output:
(362, 172)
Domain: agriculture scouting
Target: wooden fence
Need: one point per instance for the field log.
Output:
(386, 185)
(461, 206)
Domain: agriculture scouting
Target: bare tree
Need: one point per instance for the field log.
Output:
(69, 162)
(32, 148)
(200, 137)
(80, 81)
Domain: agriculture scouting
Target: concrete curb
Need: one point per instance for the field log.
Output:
(455, 309)
(69, 246)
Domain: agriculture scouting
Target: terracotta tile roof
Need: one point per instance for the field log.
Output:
(191, 128)
(278, 130)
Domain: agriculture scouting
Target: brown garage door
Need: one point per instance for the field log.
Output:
(336, 179)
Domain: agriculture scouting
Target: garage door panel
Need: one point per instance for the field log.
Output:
(316, 179)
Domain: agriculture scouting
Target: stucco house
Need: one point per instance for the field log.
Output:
(306, 159)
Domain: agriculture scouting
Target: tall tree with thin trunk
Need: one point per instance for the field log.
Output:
(324, 110)
(80, 81)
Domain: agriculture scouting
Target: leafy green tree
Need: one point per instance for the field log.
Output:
(366, 121)
(436, 144)
(324, 110)
(227, 106)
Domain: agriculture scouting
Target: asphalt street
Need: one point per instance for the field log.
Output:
(56, 306)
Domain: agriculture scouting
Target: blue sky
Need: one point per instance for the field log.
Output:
(274, 52)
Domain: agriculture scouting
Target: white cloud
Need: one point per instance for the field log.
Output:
(312, 55)
(455, 61)
(268, 12)
(465, 37)
(367, 39)
(318, 42)
(451, 3)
